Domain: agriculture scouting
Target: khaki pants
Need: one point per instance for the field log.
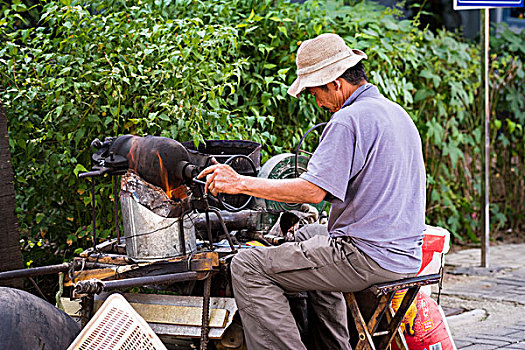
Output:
(318, 264)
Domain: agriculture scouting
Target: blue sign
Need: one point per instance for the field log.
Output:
(458, 4)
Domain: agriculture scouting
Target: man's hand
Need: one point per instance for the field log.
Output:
(221, 178)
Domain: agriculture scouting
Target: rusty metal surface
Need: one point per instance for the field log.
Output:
(86, 310)
(379, 311)
(113, 259)
(200, 262)
(384, 288)
(147, 280)
(96, 286)
(100, 274)
(365, 339)
(205, 326)
(376, 324)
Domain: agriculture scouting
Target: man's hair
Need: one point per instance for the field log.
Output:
(356, 74)
(353, 75)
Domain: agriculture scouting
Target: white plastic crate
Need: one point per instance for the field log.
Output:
(116, 326)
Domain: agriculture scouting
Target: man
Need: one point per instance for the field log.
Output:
(369, 165)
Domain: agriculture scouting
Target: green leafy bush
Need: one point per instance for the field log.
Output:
(193, 70)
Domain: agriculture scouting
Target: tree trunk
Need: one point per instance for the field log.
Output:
(10, 254)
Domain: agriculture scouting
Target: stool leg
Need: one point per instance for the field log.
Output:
(399, 337)
(365, 339)
(379, 311)
(398, 317)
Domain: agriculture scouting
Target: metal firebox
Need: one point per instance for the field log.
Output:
(151, 236)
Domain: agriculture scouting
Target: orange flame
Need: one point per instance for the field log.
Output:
(164, 177)
(131, 157)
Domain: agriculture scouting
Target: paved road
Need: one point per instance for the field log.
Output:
(512, 337)
(497, 295)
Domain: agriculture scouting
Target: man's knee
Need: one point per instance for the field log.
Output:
(309, 231)
(243, 263)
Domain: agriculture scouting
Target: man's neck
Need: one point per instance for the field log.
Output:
(349, 89)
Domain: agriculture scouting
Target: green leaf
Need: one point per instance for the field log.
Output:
(252, 14)
(317, 28)
(423, 94)
(39, 217)
(79, 168)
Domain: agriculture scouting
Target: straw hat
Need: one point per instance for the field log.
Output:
(322, 60)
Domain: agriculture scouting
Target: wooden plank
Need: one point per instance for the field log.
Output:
(181, 315)
(89, 274)
(214, 256)
(169, 330)
(177, 315)
(166, 314)
(100, 274)
(109, 259)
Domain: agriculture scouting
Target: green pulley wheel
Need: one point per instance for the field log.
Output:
(282, 166)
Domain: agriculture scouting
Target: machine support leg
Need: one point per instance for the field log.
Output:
(115, 198)
(87, 309)
(205, 313)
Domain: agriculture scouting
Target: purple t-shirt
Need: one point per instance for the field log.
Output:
(370, 162)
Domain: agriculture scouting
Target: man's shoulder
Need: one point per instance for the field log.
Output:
(363, 110)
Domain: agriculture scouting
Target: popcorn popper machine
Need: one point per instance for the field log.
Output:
(177, 239)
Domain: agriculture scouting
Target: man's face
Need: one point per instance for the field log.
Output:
(330, 97)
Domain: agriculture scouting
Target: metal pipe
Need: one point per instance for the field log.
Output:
(245, 219)
(115, 198)
(224, 228)
(205, 329)
(182, 238)
(141, 281)
(94, 143)
(35, 271)
(208, 226)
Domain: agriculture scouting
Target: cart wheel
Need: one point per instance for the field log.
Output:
(29, 322)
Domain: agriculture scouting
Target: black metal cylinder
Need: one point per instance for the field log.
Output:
(141, 281)
(35, 271)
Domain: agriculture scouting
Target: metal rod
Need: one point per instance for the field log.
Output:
(94, 231)
(141, 281)
(115, 198)
(86, 310)
(224, 228)
(205, 313)
(299, 147)
(37, 288)
(35, 271)
(94, 143)
(208, 228)
(485, 239)
(182, 237)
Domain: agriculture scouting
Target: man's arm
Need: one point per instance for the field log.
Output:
(223, 179)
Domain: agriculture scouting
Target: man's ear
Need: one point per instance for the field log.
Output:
(337, 84)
